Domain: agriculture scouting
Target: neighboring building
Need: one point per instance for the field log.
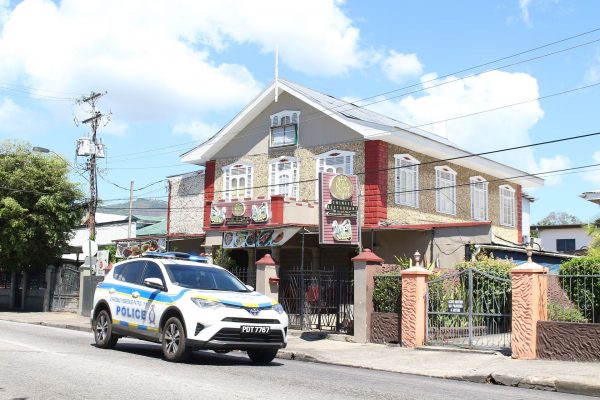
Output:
(571, 238)
(260, 192)
(526, 201)
(185, 217)
(593, 196)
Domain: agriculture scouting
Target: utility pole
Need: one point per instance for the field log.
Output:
(130, 207)
(94, 150)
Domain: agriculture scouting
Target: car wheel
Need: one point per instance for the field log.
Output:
(173, 343)
(103, 331)
(262, 356)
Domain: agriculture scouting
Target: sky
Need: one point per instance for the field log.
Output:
(176, 71)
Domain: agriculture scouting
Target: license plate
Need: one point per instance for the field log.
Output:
(255, 330)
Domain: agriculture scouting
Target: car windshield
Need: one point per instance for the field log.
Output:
(204, 278)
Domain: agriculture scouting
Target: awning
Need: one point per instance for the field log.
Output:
(256, 238)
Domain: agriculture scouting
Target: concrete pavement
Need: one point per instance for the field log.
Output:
(494, 368)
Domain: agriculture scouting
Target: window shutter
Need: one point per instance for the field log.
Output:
(272, 169)
(226, 183)
(248, 182)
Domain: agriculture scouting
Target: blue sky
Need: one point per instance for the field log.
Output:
(175, 72)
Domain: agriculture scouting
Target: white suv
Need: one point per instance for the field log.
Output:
(186, 305)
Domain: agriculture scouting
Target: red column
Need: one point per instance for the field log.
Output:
(277, 209)
(376, 182)
(209, 190)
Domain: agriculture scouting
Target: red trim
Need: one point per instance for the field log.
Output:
(209, 189)
(277, 209)
(428, 226)
(368, 256)
(169, 210)
(519, 201)
(376, 182)
(190, 235)
(259, 227)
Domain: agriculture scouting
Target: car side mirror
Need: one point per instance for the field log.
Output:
(250, 288)
(155, 283)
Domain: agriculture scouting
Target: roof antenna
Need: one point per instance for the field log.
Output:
(276, 73)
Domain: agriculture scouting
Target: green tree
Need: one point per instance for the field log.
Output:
(39, 207)
(559, 218)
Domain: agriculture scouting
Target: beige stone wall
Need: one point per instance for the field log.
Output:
(186, 215)
(426, 213)
(306, 156)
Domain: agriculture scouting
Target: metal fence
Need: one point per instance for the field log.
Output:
(470, 308)
(574, 298)
(387, 293)
(5, 280)
(241, 272)
(318, 300)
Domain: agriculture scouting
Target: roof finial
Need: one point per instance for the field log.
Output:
(276, 72)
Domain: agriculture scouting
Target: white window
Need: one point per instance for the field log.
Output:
(336, 161)
(445, 193)
(237, 181)
(284, 128)
(507, 205)
(479, 198)
(407, 180)
(284, 177)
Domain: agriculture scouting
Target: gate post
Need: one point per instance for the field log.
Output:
(267, 277)
(414, 304)
(363, 294)
(49, 287)
(529, 305)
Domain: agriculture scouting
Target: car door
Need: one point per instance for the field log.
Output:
(154, 304)
(126, 305)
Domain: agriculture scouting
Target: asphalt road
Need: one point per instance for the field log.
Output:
(38, 362)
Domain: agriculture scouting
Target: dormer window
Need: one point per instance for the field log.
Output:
(284, 128)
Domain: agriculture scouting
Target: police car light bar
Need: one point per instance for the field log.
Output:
(175, 255)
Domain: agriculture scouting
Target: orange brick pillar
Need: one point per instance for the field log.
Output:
(363, 293)
(414, 304)
(529, 305)
(267, 277)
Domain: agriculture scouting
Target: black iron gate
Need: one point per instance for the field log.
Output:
(470, 308)
(65, 296)
(318, 300)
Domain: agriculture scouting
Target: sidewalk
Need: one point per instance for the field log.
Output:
(561, 376)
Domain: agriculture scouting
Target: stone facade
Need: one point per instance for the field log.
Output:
(186, 200)
(426, 212)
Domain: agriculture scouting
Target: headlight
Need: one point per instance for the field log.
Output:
(279, 308)
(206, 303)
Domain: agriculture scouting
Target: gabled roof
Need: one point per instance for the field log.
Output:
(371, 125)
(158, 229)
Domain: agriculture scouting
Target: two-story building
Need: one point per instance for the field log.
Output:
(416, 190)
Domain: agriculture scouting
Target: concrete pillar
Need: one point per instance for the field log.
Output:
(25, 283)
(84, 275)
(208, 252)
(414, 304)
(529, 305)
(267, 277)
(364, 269)
(13, 290)
(48, 291)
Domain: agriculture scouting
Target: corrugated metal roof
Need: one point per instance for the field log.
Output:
(158, 229)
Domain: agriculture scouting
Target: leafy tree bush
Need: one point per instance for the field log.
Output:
(222, 259)
(558, 312)
(387, 293)
(39, 207)
(584, 292)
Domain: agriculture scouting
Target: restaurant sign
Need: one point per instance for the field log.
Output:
(257, 238)
(338, 200)
(240, 213)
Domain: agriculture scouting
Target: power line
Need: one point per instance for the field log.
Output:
(261, 128)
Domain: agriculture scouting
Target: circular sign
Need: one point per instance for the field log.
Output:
(89, 245)
(238, 209)
(341, 187)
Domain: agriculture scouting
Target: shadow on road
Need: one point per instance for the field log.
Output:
(199, 357)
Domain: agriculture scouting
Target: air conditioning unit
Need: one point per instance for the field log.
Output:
(85, 147)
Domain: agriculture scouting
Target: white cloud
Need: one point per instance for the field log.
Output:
(552, 164)
(18, 121)
(197, 129)
(592, 74)
(398, 66)
(594, 175)
(487, 131)
(524, 7)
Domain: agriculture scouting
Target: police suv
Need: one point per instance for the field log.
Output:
(186, 305)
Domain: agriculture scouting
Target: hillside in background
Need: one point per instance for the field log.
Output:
(150, 207)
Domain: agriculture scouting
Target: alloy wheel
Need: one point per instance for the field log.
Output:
(101, 328)
(172, 336)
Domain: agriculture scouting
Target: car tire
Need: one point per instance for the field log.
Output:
(262, 356)
(173, 341)
(103, 335)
